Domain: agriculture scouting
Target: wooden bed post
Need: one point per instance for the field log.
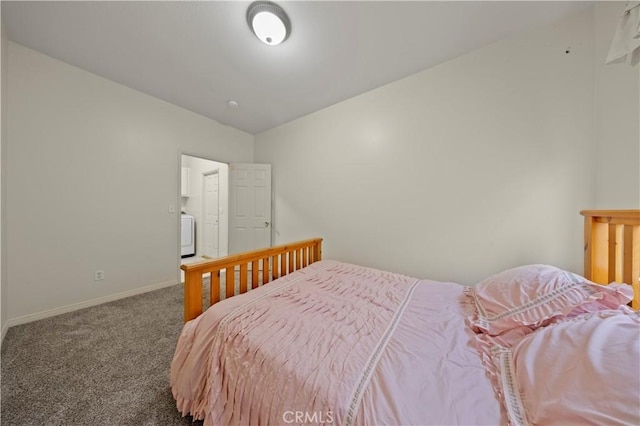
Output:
(192, 296)
(588, 226)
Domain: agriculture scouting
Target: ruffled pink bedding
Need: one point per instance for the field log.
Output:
(580, 370)
(336, 343)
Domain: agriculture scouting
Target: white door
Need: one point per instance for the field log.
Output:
(250, 207)
(211, 214)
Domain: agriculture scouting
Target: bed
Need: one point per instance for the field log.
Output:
(324, 342)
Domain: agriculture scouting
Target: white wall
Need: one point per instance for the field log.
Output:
(3, 180)
(457, 172)
(194, 204)
(94, 167)
(617, 117)
(454, 173)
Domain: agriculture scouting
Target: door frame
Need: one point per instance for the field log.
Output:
(177, 207)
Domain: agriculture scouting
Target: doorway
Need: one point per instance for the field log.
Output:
(205, 196)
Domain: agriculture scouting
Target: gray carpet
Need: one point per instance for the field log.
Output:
(104, 365)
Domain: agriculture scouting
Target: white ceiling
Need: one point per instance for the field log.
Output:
(199, 55)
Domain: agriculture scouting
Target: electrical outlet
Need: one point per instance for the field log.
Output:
(99, 275)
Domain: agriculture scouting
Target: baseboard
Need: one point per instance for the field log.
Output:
(5, 328)
(81, 305)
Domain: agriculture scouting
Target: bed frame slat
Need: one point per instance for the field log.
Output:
(274, 267)
(243, 277)
(291, 260)
(230, 280)
(194, 272)
(283, 264)
(265, 271)
(214, 287)
(613, 252)
(254, 274)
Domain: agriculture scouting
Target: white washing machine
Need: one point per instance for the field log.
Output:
(188, 235)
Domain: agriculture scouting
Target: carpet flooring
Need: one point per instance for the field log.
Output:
(104, 365)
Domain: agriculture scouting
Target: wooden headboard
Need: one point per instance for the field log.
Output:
(612, 248)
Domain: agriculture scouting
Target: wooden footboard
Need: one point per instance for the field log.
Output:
(251, 269)
(612, 248)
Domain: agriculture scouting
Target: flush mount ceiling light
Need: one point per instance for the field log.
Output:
(268, 22)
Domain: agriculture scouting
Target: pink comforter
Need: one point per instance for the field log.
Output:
(335, 343)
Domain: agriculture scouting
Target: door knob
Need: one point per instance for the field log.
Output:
(266, 224)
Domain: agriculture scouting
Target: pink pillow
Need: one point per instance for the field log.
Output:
(582, 370)
(533, 295)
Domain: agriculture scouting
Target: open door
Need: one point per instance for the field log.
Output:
(249, 207)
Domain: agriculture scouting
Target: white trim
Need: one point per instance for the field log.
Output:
(86, 304)
(4, 333)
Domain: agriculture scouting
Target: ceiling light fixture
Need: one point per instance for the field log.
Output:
(269, 22)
